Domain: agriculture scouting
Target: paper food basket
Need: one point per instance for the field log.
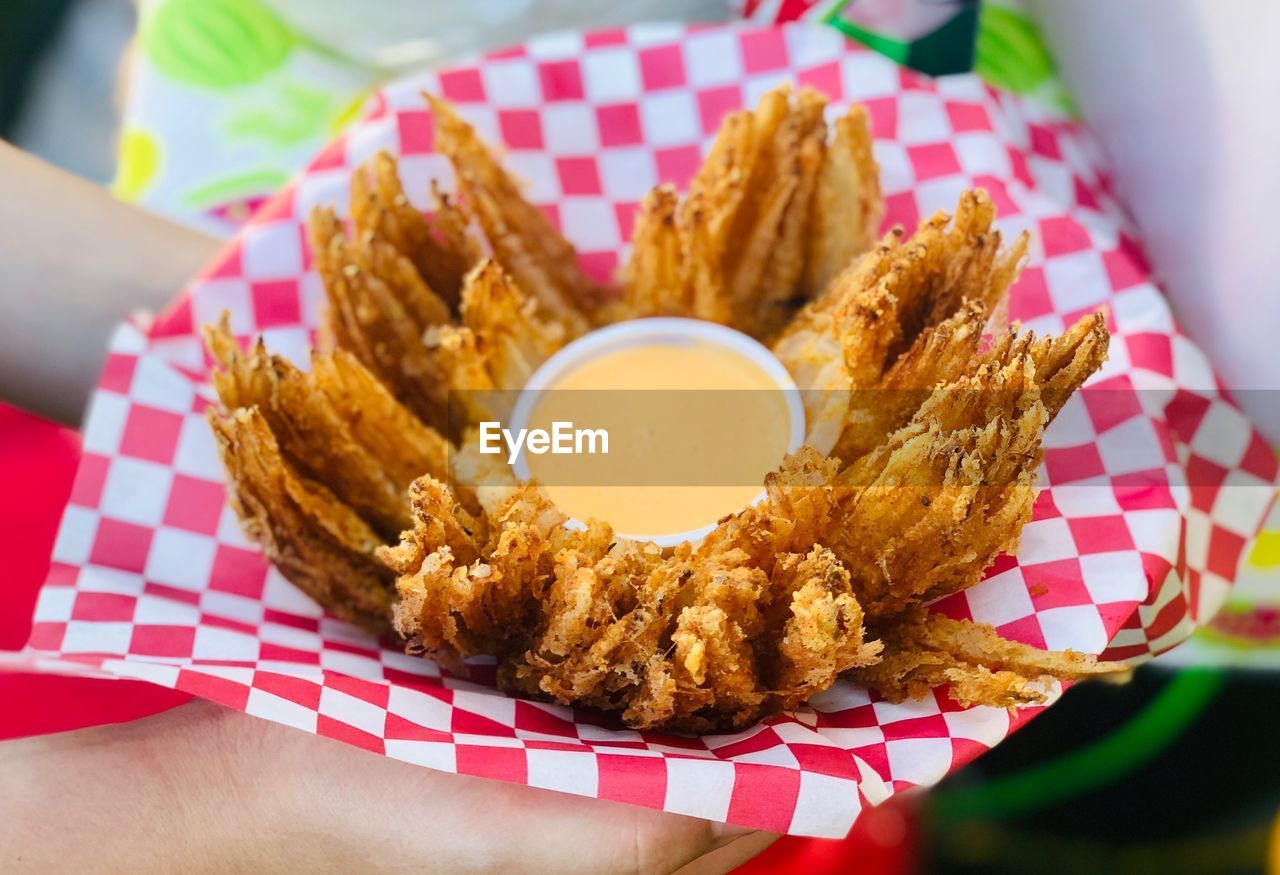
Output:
(1154, 480)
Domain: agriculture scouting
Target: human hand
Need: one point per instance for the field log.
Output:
(204, 788)
(75, 262)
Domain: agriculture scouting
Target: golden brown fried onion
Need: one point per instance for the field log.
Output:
(936, 433)
(522, 239)
(316, 541)
(774, 213)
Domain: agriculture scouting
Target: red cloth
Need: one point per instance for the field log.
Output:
(37, 464)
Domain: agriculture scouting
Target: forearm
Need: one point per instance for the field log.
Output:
(151, 796)
(74, 262)
(205, 789)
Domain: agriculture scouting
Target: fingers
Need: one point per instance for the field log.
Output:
(326, 806)
(729, 856)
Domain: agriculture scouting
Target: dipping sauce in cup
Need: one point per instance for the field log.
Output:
(668, 425)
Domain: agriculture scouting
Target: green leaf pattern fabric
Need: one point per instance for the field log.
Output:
(215, 43)
(226, 101)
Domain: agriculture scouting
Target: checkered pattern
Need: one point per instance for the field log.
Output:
(1154, 479)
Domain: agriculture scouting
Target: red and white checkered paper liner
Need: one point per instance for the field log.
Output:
(152, 578)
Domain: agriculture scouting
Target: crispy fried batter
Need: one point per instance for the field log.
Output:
(315, 540)
(438, 521)
(404, 446)
(950, 261)
(824, 635)
(908, 315)
(927, 512)
(377, 322)
(705, 219)
(464, 362)
(929, 509)
(515, 335)
(827, 575)
(924, 649)
(606, 615)
(312, 434)
(487, 476)
(523, 240)
(980, 644)
(758, 229)
(847, 206)
(912, 674)
(461, 591)
(381, 261)
(798, 504)
(748, 208)
(580, 616)
(1063, 363)
(440, 251)
(840, 341)
(653, 279)
(941, 354)
(432, 586)
(493, 354)
(766, 263)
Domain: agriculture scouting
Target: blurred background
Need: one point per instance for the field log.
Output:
(1177, 769)
(61, 80)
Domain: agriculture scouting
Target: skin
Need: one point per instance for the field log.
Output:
(202, 788)
(74, 262)
(205, 789)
